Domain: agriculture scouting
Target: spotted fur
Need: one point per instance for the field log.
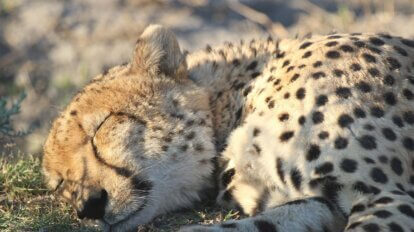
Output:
(308, 135)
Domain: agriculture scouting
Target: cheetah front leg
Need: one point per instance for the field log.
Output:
(308, 214)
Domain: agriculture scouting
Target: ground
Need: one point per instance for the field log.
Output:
(60, 55)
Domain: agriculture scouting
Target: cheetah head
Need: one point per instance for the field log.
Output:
(136, 142)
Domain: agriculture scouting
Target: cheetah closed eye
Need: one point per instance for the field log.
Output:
(308, 135)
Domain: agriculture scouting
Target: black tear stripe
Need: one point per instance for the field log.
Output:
(118, 170)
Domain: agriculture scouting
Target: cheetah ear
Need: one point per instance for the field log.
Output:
(157, 51)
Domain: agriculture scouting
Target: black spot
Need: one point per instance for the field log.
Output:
(409, 117)
(400, 50)
(409, 43)
(363, 87)
(279, 169)
(389, 80)
(349, 165)
(290, 68)
(374, 72)
(252, 65)
(357, 208)
(383, 159)
(331, 43)
(375, 41)
(390, 98)
(247, 91)
(345, 120)
(340, 143)
(294, 77)
(285, 63)
(397, 120)
(236, 62)
(382, 214)
(369, 127)
(73, 112)
(307, 54)
(361, 187)
(377, 111)
(264, 226)
(227, 177)
(317, 117)
(374, 49)
(323, 135)
(343, 92)
(408, 94)
(190, 135)
(283, 117)
(286, 96)
(408, 143)
(338, 72)
(334, 37)
(375, 190)
(257, 148)
(333, 55)
(256, 132)
(321, 100)
(271, 104)
(305, 45)
(317, 64)
(208, 48)
(371, 227)
(396, 166)
(369, 58)
(300, 93)
(393, 63)
(346, 48)
(313, 153)
(378, 176)
(359, 113)
(369, 160)
(359, 44)
(324, 168)
(407, 210)
(255, 74)
(367, 142)
(355, 67)
(285, 136)
(302, 120)
(318, 75)
(296, 178)
(394, 227)
(389, 134)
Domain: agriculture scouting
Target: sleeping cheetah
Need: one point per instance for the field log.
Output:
(300, 135)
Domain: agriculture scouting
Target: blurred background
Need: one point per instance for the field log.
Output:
(50, 48)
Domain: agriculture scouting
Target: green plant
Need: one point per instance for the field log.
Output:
(6, 114)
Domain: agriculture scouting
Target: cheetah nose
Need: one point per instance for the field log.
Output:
(94, 207)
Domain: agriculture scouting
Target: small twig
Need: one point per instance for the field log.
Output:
(258, 17)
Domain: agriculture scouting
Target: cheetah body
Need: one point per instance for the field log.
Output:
(309, 135)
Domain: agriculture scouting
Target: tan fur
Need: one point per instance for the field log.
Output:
(148, 132)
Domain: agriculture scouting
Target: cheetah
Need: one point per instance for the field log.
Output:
(313, 134)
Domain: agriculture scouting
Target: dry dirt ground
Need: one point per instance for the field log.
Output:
(50, 48)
